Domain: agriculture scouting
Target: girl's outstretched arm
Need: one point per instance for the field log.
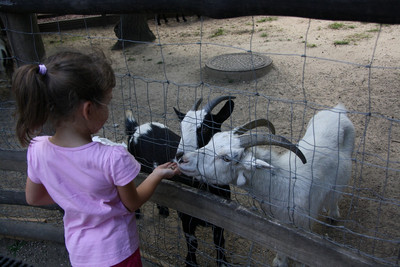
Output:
(36, 194)
(133, 198)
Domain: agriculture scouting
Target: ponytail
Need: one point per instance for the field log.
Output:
(31, 95)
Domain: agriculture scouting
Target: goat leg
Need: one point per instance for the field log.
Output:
(189, 229)
(219, 242)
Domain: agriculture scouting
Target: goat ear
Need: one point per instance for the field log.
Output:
(258, 164)
(179, 114)
(225, 112)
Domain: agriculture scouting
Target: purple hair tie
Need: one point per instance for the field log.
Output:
(42, 69)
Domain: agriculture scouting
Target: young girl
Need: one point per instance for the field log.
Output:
(91, 182)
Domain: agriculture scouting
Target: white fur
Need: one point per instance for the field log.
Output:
(189, 125)
(144, 129)
(290, 190)
(107, 142)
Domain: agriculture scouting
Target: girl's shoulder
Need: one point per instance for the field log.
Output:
(38, 141)
(112, 149)
(40, 138)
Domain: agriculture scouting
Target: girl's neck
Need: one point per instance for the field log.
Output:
(70, 137)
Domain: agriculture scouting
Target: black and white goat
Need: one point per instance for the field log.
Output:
(289, 190)
(154, 143)
(151, 144)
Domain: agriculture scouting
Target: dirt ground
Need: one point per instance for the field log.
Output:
(316, 64)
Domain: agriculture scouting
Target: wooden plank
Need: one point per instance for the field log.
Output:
(12, 197)
(380, 11)
(31, 230)
(24, 219)
(79, 23)
(13, 160)
(300, 245)
(17, 197)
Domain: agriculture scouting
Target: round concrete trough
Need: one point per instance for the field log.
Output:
(237, 67)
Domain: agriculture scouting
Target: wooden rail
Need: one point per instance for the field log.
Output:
(305, 247)
(380, 11)
(77, 23)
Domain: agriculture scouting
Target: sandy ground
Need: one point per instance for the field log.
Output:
(316, 64)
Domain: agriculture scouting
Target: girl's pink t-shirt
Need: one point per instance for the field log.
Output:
(99, 230)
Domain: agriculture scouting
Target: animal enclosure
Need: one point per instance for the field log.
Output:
(316, 65)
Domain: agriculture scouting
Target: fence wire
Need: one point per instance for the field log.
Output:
(316, 65)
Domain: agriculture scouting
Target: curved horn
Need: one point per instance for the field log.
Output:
(197, 104)
(253, 124)
(210, 105)
(250, 140)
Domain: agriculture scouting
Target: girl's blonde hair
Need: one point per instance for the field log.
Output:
(71, 78)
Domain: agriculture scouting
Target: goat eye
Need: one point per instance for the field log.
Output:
(225, 158)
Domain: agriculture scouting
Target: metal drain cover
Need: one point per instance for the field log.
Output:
(238, 66)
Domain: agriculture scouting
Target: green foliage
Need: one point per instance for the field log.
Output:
(343, 42)
(353, 38)
(218, 32)
(14, 248)
(336, 26)
(373, 30)
(267, 19)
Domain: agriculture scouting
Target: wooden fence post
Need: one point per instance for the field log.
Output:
(23, 34)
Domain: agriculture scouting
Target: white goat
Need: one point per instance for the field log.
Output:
(290, 190)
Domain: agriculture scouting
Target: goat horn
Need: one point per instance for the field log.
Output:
(253, 124)
(250, 140)
(213, 103)
(197, 104)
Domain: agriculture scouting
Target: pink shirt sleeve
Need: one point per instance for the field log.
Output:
(123, 166)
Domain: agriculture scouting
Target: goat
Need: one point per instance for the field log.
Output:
(288, 190)
(197, 128)
(164, 17)
(154, 143)
(151, 144)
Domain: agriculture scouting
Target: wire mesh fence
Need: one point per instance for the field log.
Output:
(316, 65)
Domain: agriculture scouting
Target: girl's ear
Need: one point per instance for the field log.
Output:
(87, 109)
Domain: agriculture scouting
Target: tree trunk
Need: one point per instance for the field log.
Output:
(132, 28)
(22, 32)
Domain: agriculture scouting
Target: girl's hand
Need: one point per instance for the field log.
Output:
(167, 170)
